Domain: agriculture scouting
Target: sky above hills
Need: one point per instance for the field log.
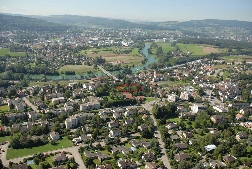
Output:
(139, 10)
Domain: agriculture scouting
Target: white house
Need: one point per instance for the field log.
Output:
(114, 133)
(54, 136)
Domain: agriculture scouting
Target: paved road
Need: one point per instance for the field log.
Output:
(73, 150)
(30, 104)
(148, 106)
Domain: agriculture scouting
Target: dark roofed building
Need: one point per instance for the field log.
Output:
(228, 158)
(181, 156)
(20, 166)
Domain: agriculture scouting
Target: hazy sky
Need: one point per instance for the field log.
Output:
(149, 10)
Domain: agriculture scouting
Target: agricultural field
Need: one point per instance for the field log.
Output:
(5, 51)
(79, 69)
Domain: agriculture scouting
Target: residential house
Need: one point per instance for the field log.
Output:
(151, 165)
(61, 157)
(228, 158)
(127, 96)
(193, 141)
(54, 136)
(106, 166)
(241, 135)
(113, 124)
(217, 164)
(198, 108)
(32, 115)
(116, 115)
(149, 156)
(126, 164)
(143, 127)
(210, 147)
(185, 95)
(172, 97)
(239, 116)
(174, 137)
(58, 100)
(187, 134)
(180, 146)
(128, 113)
(141, 111)
(181, 156)
(114, 133)
(220, 109)
(171, 126)
(218, 119)
(129, 121)
(20, 166)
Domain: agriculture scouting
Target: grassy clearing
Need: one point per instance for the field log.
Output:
(79, 69)
(134, 51)
(14, 153)
(65, 82)
(226, 75)
(149, 99)
(5, 51)
(4, 108)
(5, 138)
(166, 46)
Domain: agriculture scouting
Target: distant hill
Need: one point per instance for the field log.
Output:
(17, 22)
(203, 28)
(89, 21)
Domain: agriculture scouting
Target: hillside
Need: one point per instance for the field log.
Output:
(10, 22)
(89, 21)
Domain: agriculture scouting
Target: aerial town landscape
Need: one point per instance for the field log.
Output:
(82, 92)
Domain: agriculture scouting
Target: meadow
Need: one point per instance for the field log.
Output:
(79, 69)
(5, 51)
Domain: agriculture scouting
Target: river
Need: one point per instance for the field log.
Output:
(150, 59)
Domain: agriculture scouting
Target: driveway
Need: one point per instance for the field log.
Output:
(30, 104)
(148, 106)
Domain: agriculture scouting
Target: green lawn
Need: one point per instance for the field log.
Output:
(134, 51)
(14, 153)
(5, 51)
(225, 75)
(166, 46)
(4, 108)
(149, 99)
(5, 138)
